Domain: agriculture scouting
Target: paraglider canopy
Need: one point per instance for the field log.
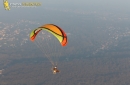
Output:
(53, 29)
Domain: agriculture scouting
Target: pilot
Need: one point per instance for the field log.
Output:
(55, 70)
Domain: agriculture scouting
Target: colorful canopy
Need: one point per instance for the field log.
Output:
(53, 29)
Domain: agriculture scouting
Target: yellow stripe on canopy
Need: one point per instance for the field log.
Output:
(60, 38)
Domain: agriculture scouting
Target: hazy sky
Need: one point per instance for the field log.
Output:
(119, 5)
